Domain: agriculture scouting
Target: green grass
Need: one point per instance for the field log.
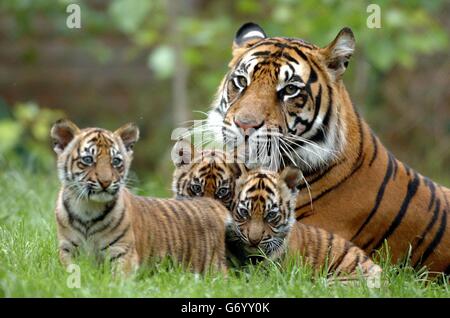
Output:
(29, 265)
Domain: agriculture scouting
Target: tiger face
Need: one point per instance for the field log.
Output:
(208, 174)
(286, 91)
(263, 210)
(93, 163)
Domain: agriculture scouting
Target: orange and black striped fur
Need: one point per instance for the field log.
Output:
(263, 211)
(292, 92)
(210, 170)
(209, 173)
(95, 211)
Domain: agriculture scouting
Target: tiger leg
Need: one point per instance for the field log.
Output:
(66, 252)
(217, 261)
(220, 264)
(124, 259)
(354, 263)
(373, 275)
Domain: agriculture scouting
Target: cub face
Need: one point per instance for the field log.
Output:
(263, 209)
(93, 163)
(209, 173)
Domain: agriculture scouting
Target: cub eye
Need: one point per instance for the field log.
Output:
(240, 82)
(223, 191)
(242, 212)
(196, 188)
(116, 161)
(290, 90)
(87, 160)
(272, 214)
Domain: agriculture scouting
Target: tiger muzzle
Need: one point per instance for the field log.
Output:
(248, 124)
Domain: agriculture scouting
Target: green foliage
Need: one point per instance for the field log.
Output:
(161, 61)
(409, 30)
(404, 33)
(24, 135)
(130, 14)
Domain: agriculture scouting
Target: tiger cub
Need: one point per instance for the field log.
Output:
(208, 173)
(262, 205)
(96, 212)
(263, 211)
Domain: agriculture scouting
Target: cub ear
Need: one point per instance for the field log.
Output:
(239, 169)
(291, 177)
(237, 155)
(240, 181)
(247, 35)
(129, 134)
(337, 54)
(183, 153)
(62, 133)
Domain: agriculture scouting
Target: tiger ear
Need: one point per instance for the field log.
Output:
(129, 134)
(241, 180)
(183, 153)
(237, 155)
(247, 35)
(62, 133)
(239, 169)
(337, 54)
(291, 177)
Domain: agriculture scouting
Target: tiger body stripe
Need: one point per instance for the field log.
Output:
(96, 214)
(338, 259)
(354, 186)
(395, 207)
(145, 240)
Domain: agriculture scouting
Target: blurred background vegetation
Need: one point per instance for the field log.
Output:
(155, 62)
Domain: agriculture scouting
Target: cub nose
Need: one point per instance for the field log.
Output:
(254, 241)
(104, 183)
(248, 124)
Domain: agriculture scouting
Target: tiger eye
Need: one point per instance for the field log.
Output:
(271, 215)
(116, 161)
(240, 81)
(242, 212)
(87, 160)
(223, 191)
(196, 188)
(290, 89)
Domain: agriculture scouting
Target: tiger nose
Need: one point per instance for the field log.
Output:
(248, 124)
(254, 241)
(104, 183)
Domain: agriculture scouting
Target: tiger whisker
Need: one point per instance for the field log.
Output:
(288, 154)
(298, 156)
(309, 192)
(306, 141)
(201, 112)
(207, 128)
(291, 140)
(309, 150)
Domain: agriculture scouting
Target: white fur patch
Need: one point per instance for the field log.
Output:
(253, 34)
(344, 46)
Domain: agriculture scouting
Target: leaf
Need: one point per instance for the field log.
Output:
(162, 61)
(10, 132)
(129, 14)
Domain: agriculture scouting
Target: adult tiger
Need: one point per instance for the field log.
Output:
(291, 92)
